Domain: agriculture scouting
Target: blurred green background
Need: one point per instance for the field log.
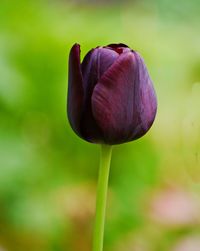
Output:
(48, 175)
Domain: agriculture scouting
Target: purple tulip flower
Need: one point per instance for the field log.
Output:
(111, 99)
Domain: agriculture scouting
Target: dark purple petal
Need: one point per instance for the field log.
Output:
(75, 89)
(118, 100)
(95, 63)
(146, 105)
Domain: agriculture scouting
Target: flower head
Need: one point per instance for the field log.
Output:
(111, 98)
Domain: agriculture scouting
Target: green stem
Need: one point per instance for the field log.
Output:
(106, 152)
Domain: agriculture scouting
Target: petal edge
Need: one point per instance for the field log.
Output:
(75, 89)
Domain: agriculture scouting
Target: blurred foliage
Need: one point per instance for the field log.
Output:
(48, 175)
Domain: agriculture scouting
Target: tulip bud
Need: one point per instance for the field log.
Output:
(111, 99)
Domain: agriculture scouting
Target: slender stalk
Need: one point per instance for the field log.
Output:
(106, 152)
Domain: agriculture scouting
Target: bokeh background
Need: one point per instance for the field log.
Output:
(48, 175)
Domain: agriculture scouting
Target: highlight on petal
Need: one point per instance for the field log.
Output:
(117, 101)
(75, 89)
(94, 64)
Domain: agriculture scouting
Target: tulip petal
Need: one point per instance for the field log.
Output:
(95, 63)
(123, 101)
(148, 104)
(75, 90)
(89, 127)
